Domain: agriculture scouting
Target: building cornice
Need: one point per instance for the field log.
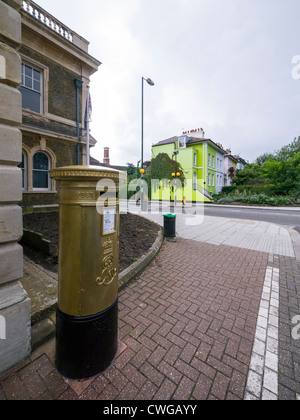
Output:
(37, 33)
(25, 128)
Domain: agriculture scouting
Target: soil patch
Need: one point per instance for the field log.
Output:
(137, 235)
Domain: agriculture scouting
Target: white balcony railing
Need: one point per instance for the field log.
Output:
(42, 16)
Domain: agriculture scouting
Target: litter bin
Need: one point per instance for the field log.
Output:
(170, 225)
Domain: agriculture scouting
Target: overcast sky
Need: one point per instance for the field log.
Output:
(221, 65)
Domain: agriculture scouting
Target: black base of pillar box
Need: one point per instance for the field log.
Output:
(86, 346)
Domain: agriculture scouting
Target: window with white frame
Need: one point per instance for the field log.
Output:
(182, 142)
(31, 88)
(209, 159)
(213, 161)
(40, 171)
(195, 180)
(213, 179)
(209, 180)
(195, 159)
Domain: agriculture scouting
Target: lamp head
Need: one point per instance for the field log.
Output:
(150, 82)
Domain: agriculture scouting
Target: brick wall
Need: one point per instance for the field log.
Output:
(61, 103)
(61, 93)
(65, 152)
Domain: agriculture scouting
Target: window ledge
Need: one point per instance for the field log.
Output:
(28, 112)
(39, 192)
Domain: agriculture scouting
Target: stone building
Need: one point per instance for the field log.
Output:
(55, 71)
(14, 302)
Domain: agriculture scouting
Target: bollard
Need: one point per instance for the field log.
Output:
(170, 225)
(87, 313)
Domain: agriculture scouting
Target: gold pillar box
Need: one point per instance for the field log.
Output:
(88, 268)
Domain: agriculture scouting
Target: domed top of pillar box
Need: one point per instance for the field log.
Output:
(81, 172)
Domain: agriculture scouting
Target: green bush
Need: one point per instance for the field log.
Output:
(229, 189)
(257, 199)
(267, 200)
(248, 189)
(225, 200)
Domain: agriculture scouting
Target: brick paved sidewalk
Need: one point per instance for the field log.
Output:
(186, 331)
(289, 345)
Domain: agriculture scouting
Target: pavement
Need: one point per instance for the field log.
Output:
(214, 314)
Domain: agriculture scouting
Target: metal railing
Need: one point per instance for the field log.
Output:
(42, 16)
(203, 191)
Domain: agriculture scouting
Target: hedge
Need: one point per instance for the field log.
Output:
(248, 189)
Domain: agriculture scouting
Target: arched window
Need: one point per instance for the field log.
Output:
(40, 167)
(23, 167)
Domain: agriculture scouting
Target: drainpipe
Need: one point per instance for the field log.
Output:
(78, 85)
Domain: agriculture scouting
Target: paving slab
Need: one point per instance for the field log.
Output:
(248, 234)
(42, 287)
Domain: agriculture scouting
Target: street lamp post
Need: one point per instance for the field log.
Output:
(176, 174)
(150, 83)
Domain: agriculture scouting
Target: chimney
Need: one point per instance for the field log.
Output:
(228, 151)
(106, 159)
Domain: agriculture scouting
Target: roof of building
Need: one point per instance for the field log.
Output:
(240, 159)
(193, 140)
(229, 155)
(95, 162)
(167, 141)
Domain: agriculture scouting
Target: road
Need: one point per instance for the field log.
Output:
(281, 217)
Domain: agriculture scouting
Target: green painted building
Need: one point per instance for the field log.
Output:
(202, 162)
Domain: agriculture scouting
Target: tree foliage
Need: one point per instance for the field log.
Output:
(288, 151)
(285, 152)
(131, 169)
(284, 175)
(252, 174)
(281, 170)
(264, 158)
(163, 166)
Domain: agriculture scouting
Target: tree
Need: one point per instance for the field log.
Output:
(163, 166)
(131, 169)
(264, 158)
(281, 170)
(231, 172)
(289, 151)
(252, 174)
(284, 175)
(284, 153)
